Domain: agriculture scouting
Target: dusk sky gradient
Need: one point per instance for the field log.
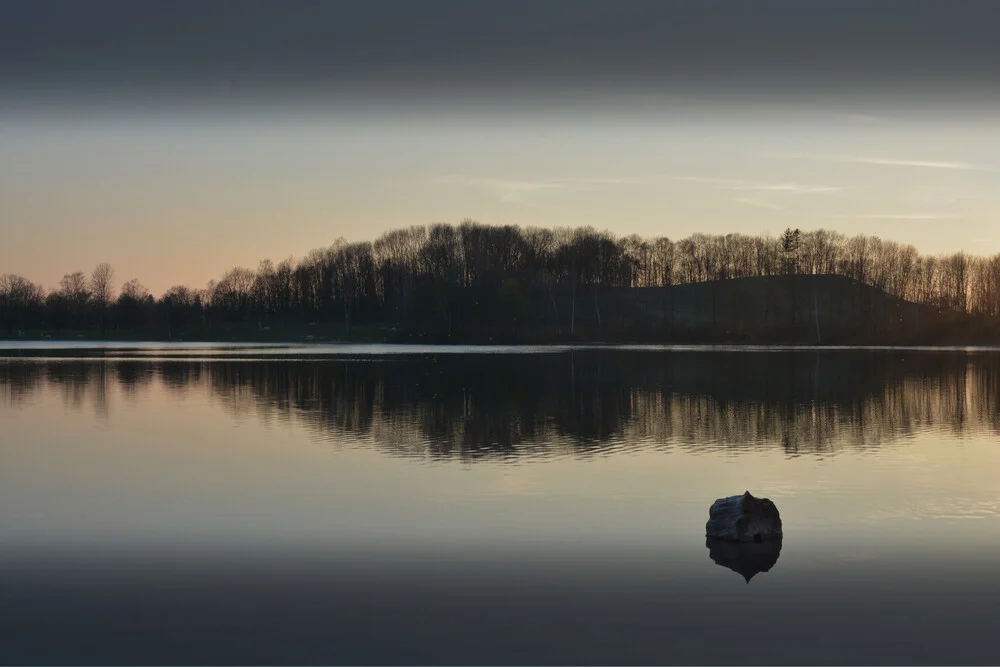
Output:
(176, 141)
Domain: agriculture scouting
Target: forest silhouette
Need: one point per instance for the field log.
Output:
(477, 283)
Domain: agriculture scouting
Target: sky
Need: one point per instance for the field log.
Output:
(176, 141)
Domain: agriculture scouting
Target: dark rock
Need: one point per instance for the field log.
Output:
(743, 519)
(745, 558)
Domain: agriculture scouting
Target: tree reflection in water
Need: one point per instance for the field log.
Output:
(582, 402)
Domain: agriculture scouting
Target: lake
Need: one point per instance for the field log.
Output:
(382, 505)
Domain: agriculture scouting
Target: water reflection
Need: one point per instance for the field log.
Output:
(745, 558)
(581, 403)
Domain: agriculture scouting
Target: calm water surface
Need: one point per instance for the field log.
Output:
(370, 504)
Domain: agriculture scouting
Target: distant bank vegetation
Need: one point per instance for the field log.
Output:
(474, 281)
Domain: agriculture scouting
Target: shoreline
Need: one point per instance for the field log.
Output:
(472, 347)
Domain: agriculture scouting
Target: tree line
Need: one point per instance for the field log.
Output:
(453, 278)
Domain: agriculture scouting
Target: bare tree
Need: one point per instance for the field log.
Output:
(18, 297)
(74, 287)
(134, 290)
(132, 303)
(102, 290)
(73, 296)
(102, 284)
(234, 292)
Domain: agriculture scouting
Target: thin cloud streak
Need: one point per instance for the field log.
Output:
(759, 203)
(750, 186)
(508, 190)
(888, 162)
(912, 216)
(564, 183)
(521, 191)
(518, 190)
(898, 216)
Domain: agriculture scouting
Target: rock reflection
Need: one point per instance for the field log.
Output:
(748, 559)
(581, 403)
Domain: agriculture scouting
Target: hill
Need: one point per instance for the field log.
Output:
(805, 309)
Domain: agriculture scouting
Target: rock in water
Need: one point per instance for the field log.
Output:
(743, 519)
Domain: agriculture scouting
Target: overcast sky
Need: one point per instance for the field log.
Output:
(178, 139)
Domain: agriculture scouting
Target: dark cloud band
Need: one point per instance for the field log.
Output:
(463, 47)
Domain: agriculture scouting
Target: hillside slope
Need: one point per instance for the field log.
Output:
(780, 309)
